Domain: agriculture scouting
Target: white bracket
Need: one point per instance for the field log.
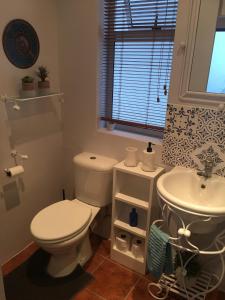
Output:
(17, 155)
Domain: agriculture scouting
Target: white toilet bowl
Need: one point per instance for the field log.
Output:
(62, 230)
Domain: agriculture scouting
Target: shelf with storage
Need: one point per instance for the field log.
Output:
(20, 99)
(133, 188)
(131, 200)
(16, 100)
(129, 254)
(121, 213)
(127, 258)
(135, 230)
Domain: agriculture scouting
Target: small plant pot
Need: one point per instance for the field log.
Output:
(43, 88)
(27, 86)
(28, 90)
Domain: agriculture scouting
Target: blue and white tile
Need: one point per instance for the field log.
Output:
(181, 121)
(208, 125)
(178, 151)
(193, 134)
(212, 151)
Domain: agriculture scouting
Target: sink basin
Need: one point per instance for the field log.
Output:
(183, 189)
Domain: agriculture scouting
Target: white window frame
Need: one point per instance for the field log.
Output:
(187, 21)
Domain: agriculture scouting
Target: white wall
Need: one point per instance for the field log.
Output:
(35, 130)
(222, 8)
(80, 35)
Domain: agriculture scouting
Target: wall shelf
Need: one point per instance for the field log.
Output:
(133, 188)
(134, 230)
(16, 100)
(132, 200)
(138, 171)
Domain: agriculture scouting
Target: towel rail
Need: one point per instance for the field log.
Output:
(181, 242)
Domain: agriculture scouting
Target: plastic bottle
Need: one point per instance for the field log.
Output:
(133, 218)
(148, 160)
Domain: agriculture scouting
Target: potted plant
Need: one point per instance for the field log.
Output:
(43, 83)
(28, 87)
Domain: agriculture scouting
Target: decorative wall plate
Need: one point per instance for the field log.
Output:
(21, 43)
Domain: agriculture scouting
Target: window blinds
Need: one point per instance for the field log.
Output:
(136, 61)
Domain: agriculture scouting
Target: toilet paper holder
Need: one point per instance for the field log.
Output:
(16, 155)
(18, 168)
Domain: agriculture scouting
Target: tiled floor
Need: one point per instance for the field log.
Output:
(115, 282)
(111, 280)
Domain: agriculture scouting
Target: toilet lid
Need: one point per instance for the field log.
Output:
(60, 220)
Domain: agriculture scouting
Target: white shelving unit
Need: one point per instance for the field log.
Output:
(133, 188)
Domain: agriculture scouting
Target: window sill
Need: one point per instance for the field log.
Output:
(129, 135)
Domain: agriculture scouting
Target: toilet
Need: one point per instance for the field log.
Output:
(62, 229)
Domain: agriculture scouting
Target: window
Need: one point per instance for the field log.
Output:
(216, 80)
(136, 63)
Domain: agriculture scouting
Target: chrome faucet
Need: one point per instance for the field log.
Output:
(208, 168)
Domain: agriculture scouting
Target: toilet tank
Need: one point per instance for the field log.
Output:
(93, 178)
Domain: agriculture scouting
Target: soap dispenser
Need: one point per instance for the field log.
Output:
(148, 160)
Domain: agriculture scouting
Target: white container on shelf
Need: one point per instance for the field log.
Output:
(131, 157)
(137, 248)
(123, 240)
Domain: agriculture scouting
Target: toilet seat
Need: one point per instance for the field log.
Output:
(60, 221)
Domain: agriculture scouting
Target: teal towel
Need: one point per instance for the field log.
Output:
(159, 253)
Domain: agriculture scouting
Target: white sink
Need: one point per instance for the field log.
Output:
(183, 189)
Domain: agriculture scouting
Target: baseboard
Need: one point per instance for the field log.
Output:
(19, 258)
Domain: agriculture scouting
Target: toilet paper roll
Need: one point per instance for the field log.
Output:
(14, 171)
(137, 248)
(123, 241)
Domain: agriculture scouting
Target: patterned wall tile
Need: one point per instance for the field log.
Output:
(181, 121)
(212, 151)
(207, 121)
(192, 135)
(219, 129)
(177, 151)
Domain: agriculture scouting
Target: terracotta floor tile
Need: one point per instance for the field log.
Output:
(149, 277)
(140, 292)
(94, 263)
(86, 295)
(112, 281)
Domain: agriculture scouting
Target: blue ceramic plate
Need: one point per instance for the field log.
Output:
(21, 43)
